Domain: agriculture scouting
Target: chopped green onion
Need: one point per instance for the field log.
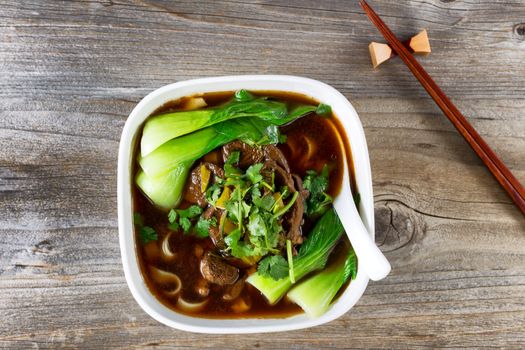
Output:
(287, 206)
(290, 260)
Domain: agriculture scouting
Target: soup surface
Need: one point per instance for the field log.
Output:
(311, 143)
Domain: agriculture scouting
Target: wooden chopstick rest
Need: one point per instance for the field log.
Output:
(380, 52)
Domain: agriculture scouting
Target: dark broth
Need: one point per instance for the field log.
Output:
(311, 143)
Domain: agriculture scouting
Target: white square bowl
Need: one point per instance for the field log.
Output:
(319, 91)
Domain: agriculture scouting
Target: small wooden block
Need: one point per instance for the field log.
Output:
(379, 53)
(418, 44)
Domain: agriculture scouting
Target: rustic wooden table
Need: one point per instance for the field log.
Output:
(70, 73)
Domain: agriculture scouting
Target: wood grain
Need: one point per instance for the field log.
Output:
(494, 164)
(71, 71)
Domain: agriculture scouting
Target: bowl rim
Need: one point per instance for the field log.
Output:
(319, 91)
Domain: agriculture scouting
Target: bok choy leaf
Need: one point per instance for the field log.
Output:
(316, 293)
(164, 127)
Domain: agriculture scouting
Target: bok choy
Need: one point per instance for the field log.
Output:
(164, 127)
(316, 293)
(163, 173)
(313, 255)
(171, 143)
(164, 190)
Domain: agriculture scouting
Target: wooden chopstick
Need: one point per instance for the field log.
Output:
(482, 149)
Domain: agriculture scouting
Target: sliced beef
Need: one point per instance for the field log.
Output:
(282, 177)
(294, 220)
(250, 155)
(216, 270)
(299, 186)
(215, 231)
(294, 217)
(275, 154)
(193, 193)
(234, 290)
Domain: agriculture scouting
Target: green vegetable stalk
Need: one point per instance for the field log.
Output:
(315, 294)
(182, 149)
(164, 190)
(313, 255)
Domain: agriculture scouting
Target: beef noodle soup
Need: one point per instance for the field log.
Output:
(233, 205)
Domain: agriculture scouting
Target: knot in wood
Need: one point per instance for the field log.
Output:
(519, 30)
(397, 225)
(43, 247)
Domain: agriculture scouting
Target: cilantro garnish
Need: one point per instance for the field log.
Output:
(185, 224)
(253, 173)
(137, 219)
(172, 216)
(202, 228)
(317, 184)
(213, 192)
(255, 208)
(190, 212)
(146, 233)
(182, 218)
(267, 202)
(274, 266)
(229, 166)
